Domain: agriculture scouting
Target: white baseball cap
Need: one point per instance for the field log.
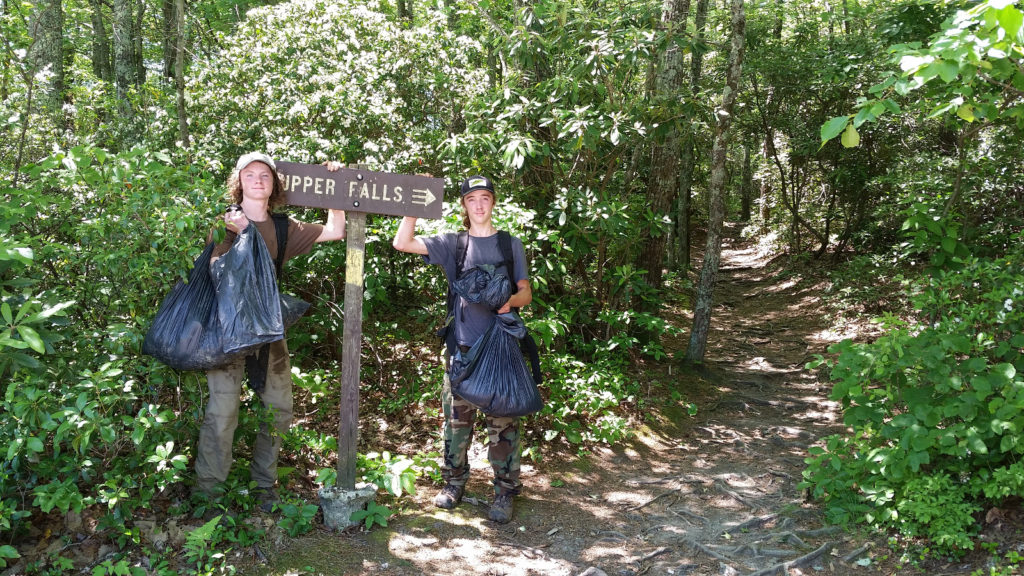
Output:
(251, 157)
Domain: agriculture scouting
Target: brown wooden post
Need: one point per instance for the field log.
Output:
(348, 425)
(358, 191)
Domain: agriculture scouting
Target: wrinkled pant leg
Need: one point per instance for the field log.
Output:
(217, 432)
(277, 400)
(503, 451)
(459, 417)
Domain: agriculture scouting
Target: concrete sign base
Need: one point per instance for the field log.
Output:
(338, 504)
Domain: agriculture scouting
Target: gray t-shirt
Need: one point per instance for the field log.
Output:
(472, 320)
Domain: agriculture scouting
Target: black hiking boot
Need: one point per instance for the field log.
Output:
(449, 496)
(266, 499)
(501, 509)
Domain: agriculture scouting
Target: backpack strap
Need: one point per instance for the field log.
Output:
(505, 245)
(281, 228)
(461, 247)
(447, 332)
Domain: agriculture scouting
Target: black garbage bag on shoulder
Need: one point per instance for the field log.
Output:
(493, 375)
(185, 334)
(248, 300)
(480, 285)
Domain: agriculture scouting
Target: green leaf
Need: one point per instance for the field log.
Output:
(34, 444)
(891, 105)
(5, 309)
(1011, 20)
(966, 112)
(948, 70)
(833, 128)
(851, 139)
(31, 337)
(975, 442)
(866, 115)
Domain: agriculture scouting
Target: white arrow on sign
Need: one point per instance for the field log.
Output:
(422, 197)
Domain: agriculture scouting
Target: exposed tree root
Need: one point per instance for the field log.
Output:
(732, 494)
(708, 551)
(684, 513)
(652, 554)
(853, 555)
(791, 538)
(784, 567)
(751, 524)
(652, 500)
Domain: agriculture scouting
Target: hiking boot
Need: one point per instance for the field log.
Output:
(449, 496)
(266, 499)
(501, 509)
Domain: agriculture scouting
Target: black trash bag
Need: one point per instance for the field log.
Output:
(185, 333)
(493, 375)
(480, 285)
(292, 308)
(248, 301)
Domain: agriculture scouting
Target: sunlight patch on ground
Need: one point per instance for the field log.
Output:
(604, 549)
(828, 416)
(496, 556)
(598, 509)
(761, 364)
(783, 286)
(633, 498)
(737, 480)
(836, 333)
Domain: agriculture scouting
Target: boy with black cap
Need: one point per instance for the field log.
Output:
(470, 321)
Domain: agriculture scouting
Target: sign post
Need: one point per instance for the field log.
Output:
(358, 192)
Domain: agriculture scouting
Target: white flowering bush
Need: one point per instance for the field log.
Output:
(309, 81)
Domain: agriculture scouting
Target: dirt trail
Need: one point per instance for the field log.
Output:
(713, 494)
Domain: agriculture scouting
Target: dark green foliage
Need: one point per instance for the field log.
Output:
(936, 406)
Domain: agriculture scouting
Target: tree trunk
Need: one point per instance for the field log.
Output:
(664, 176)
(452, 11)
(746, 186)
(124, 48)
(780, 11)
(47, 52)
(5, 62)
(405, 11)
(101, 65)
(688, 159)
(179, 70)
(170, 38)
(687, 163)
(137, 58)
(716, 191)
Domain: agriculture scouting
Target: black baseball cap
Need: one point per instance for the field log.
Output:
(477, 182)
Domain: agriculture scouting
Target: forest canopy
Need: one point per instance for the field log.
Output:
(880, 140)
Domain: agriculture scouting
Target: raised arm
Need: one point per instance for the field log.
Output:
(406, 239)
(334, 229)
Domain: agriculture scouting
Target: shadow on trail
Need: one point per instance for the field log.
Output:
(712, 494)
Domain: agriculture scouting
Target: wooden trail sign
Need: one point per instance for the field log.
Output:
(359, 190)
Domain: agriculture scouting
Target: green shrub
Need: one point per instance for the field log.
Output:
(936, 406)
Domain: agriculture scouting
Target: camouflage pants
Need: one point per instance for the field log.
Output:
(502, 444)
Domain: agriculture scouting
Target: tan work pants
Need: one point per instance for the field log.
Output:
(217, 433)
